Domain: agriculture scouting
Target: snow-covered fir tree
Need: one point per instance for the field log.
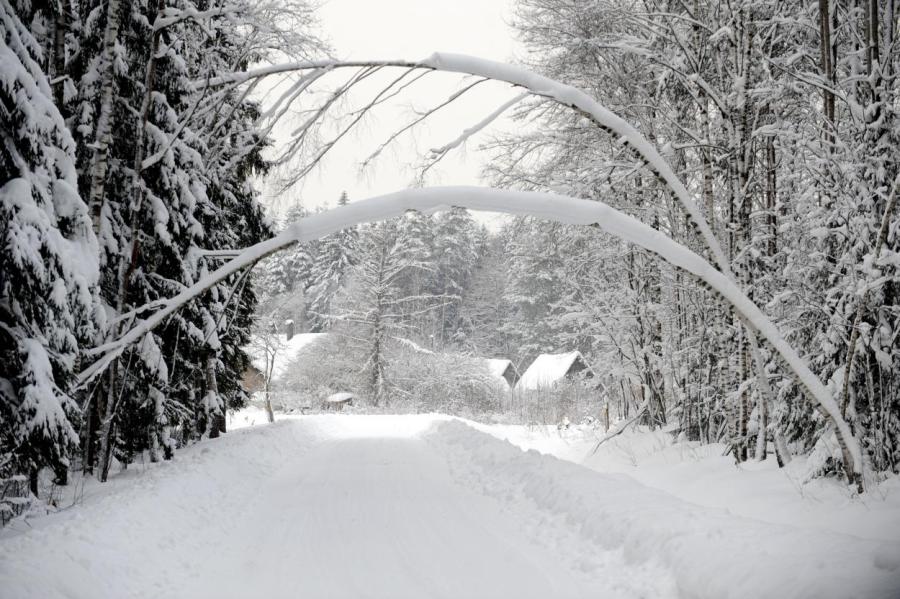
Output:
(371, 309)
(335, 256)
(163, 168)
(49, 309)
(454, 256)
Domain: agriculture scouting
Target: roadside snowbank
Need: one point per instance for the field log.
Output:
(711, 552)
(701, 474)
(273, 509)
(149, 528)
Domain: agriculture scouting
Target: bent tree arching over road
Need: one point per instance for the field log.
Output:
(554, 207)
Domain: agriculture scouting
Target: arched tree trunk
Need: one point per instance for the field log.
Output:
(554, 207)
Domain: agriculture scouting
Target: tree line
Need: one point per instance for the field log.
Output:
(130, 141)
(119, 183)
(783, 119)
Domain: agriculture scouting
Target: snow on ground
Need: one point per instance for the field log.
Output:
(711, 552)
(249, 416)
(427, 506)
(701, 474)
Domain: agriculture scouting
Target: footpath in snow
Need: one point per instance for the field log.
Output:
(415, 506)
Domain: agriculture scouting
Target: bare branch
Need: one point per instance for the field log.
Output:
(438, 153)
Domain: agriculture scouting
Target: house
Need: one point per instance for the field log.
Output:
(503, 370)
(550, 369)
(337, 401)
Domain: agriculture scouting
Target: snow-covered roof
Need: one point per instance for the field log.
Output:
(497, 367)
(286, 351)
(340, 397)
(548, 369)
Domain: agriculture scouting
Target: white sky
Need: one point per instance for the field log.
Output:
(409, 29)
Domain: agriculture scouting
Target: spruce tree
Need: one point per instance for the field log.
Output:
(335, 256)
(453, 259)
(48, 266)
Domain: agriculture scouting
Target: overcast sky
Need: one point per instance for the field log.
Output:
(410, 29)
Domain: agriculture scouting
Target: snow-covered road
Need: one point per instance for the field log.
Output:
(375, 517)
(409, 507)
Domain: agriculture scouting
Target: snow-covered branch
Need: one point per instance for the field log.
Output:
(555, 207)
(438, 153)
(536, 84)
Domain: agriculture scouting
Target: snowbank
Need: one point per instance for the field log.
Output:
(150, 528)
(702, 474)
(245, 417)
(711, 552)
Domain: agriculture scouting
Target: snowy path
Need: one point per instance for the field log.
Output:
(411, 507)
(383, 518)
(308, 509)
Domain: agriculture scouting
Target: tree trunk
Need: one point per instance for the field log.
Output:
(60, 27)
(827, 60)
(270, 414)
(764, 397)
(707, 173)
(771, 201)
(103, 126)
(763, 425)
(88, 451)
(127, 268)
(270, 367)
(213, 427)
(106, 427)
(33, 479)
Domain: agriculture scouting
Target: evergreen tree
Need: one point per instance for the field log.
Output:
(335, 256)
(48, 266)
(172, 193)
(453, 258)
(485, 309)
(290, 271)
(370, 309)
(416, 235)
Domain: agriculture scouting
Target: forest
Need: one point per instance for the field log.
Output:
(761, 137)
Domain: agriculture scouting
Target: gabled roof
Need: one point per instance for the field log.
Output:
(548, 369)
(340, 397)
(499, 367)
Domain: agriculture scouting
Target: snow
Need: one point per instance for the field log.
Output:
(496, 367)
(246, 417)
(414, 346)
(576, 99)
(340, 397)
(704, 475)
(535, 84)
(287, 351)
(555, 207)
(548, 369)
(42, 403)
(428, 506)
(711, 552)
